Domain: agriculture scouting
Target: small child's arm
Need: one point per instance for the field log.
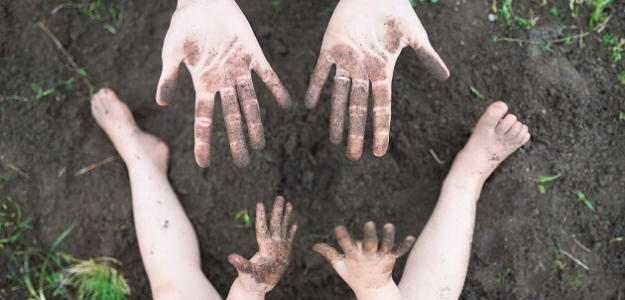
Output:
(262, 272)
(367, 266)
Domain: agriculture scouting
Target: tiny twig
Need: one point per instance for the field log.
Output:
(580, 245)
(95, 165)
(13, 97)
(438, 160)
(575, 259)
(16, 169)
(560, 40)
(66, 54)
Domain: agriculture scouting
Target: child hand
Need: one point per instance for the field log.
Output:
(218, 46)
(261, 273)
(366, 265)
(364, 39)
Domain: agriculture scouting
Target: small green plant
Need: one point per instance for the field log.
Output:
(554, 11)
(476, 93)
(598, 15)
(618, 239)
(545, 47)
(586, 201)
(542, 179)
(506, 12)
(59, 275)
(68, 84)
(6, 177)
(95, 279)
(329, 9)
(576, 281)
(501, 277)
(559, 264)
(243, 218)
(110, 16)
(615, 46)
(276, 3)
(41, 91)
(621, 78)
(12, 223)
(621, 115)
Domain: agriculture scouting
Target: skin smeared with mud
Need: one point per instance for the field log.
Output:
(365, 48)
(220, 60)
(366, 264)
(263, 271)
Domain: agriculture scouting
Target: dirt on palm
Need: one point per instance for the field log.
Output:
(569, 96)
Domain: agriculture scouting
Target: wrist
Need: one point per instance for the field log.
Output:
(238, 290)
(388, 291)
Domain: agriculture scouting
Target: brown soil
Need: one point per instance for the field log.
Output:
(569, 97)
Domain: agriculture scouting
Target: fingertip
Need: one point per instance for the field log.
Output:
(241, 159)
(389, 227)
(260, 208)
(293, 229)
(202, 157)
(432, 62)
(380, 150)
(353, 153)
(166, 90)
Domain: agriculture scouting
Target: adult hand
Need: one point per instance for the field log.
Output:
(263, 271)
(218, 46)
(366, 265)
(364, 39)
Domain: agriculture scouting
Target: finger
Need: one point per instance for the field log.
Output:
(273, 83)
(168, 83)
(403, 247)
(291, 234)
(262, 232)
(285, 220)
(357, 118)
(420, 43)
(388, 238)
(234, 127)
(251, 110)
(329, 253)
(318, 78)
(381, 117)
(340, 93)
(371, 242)
(345, 241)
(276, 217)
(204, 107)
(240, 263)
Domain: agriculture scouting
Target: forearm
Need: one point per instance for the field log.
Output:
(238, 292)
(439, 260)
(387, 292)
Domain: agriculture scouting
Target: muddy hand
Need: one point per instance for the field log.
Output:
(218, 46)
(261, 273)
(364, 39)
(366, 264)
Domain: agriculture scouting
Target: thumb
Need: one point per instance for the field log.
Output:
(329, 253)
(420, 43)
(168, 84)
(240, 263)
